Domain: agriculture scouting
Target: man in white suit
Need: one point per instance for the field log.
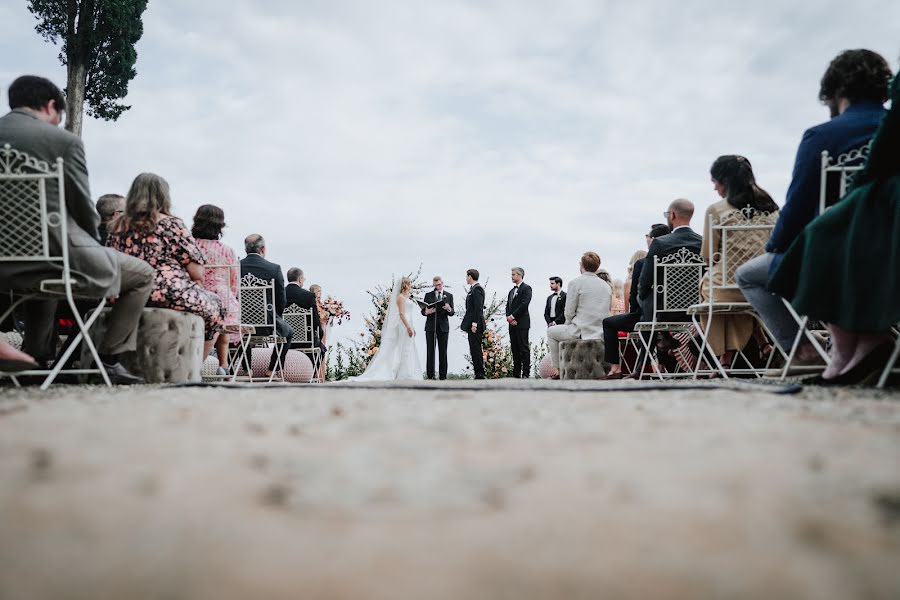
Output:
(587, 304)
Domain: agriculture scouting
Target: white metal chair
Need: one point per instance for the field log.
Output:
(257, 298)
(26, 222)
(738, 237)
(304, 340)
(889, 367)
(676, 287)
(840, 171)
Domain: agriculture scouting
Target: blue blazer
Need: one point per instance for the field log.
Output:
(849, 130)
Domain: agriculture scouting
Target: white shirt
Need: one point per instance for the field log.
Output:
(680, 227)
(553, 302)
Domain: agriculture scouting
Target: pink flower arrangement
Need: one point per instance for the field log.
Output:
(336, 311)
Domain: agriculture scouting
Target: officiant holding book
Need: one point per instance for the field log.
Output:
(437, 309)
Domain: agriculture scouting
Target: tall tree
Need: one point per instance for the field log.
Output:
(98, 38)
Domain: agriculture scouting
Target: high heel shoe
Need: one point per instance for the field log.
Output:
(865, 371)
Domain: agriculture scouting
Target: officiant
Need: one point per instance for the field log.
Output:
(437, 310)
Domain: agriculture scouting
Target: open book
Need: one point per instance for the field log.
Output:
(425, 305)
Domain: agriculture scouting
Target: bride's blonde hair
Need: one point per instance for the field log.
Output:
(405, 286)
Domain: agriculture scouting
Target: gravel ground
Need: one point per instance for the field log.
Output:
(507, 490)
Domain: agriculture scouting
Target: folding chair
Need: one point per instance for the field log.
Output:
(889, 367)
(26, 222)
(304, 340)
(837, 175)
(676, 287)
(738, 237)
(257, 298)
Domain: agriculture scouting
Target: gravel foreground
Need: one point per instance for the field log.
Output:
(507, 490)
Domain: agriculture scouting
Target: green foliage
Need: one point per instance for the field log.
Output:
(538, 352)
(97, 39)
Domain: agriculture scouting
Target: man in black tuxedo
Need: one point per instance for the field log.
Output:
(437, 327)
(473, 321)
(678, 218)
(555, 308)
(519, 320)
(295, 293)
(626, 321)
(256, 264)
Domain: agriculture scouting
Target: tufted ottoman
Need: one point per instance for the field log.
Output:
(581, 359)
(169, 346)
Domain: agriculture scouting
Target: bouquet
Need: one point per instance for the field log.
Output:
(336, 311)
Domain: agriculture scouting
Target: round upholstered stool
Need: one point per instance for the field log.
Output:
(169, 346)
(581, 359)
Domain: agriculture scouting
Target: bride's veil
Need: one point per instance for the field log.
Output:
(389, 332)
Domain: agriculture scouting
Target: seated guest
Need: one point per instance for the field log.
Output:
(555, 308)
(221, 276)
(109, 206)
(32, 126)
(820, 281)
(587, 304)
(626, 321)
(678, 218)
(629, 279)
(255, 263)
(148, 231)
(733, 180)
(12, 359)
(854, 88)
(618, 300)
(296, 294)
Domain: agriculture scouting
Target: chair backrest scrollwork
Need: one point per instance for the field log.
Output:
(301, 321)
(256, 308)
(676, 281)
(838, 173)
(736, 238)
(25, 216)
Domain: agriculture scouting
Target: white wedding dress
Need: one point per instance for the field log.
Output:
(397, 357)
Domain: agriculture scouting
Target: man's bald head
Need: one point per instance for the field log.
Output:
(680, 212)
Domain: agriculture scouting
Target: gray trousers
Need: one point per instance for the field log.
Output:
(122, 323)
(752, 277)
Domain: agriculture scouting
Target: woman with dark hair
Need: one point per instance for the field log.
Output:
(743, 201)
(222, 274)
(148, 231)
(854, 246)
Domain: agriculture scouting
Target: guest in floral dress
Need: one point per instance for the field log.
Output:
(148, 231)
(223, 274)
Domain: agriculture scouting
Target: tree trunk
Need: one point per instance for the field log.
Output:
(75, 87)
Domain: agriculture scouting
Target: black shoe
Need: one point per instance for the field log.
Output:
(119, 375)
(865, 372)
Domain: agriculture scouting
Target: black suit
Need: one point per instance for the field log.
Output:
(517, 307)
(267, 271)
(475, 314)
(626, 321)
(560, 317)
(684, 237)
(306, 299)
(437, 328)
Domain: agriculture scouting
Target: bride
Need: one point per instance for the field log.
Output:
(397, 357)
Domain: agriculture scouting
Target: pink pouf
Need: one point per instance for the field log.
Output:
(544, 368)
(297, 369)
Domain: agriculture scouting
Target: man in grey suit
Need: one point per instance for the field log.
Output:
(678, 218)
(32, 127)
(587, 304)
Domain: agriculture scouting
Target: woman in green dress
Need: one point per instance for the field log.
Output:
(844, 269)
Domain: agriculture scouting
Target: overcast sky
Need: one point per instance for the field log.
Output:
(362, 139)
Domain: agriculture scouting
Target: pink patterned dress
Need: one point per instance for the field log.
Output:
(169, 248)
(222, 277)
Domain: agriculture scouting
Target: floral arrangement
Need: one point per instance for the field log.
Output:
(495, 350)
(337, 314)
(352, 360)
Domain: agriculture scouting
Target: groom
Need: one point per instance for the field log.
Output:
(437, 324)
(473, 321)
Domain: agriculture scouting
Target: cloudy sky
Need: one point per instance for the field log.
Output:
(362, 139)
